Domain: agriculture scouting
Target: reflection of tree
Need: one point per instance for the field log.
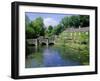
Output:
(79, 55)
(37, 55)
(38, 58)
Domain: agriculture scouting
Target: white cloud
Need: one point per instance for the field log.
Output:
(50, 21)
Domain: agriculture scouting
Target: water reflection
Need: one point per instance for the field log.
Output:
(52, 56)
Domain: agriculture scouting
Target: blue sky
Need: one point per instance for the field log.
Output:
(48, 18)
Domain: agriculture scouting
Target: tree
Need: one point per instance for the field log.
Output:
(71, 21)
(58, 29)
(28, 26)
(65, 22)
(50, 28)
(74, 21)
(35, 28)
(49, 31)
(38, 26)
(30, 32)
(84, 20)
(42, 32)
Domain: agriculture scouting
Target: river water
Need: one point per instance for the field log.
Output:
(51, 57)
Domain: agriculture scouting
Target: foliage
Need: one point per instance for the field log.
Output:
(30, 32)
(58, 29)
(84, 20)
(35, 28)
(75, 21)
(49, 31)
(80, 49)
(84, 38)
(38, 26)
(66, 21)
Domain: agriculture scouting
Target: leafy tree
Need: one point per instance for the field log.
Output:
(84, 20)
(38, 26)
(74, 21)
(50, 28)
(42, 32)
(65, 22)
(30, 32)
(28, 26)
(58, 29)
(35, 28)
(49, 31)
(71, 21)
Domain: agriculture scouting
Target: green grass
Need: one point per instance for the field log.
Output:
(77, 46)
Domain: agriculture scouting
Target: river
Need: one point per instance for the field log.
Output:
(52, 56)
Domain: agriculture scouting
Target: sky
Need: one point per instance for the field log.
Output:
(48, 18)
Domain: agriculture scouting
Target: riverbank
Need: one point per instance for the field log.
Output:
(76, 51)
